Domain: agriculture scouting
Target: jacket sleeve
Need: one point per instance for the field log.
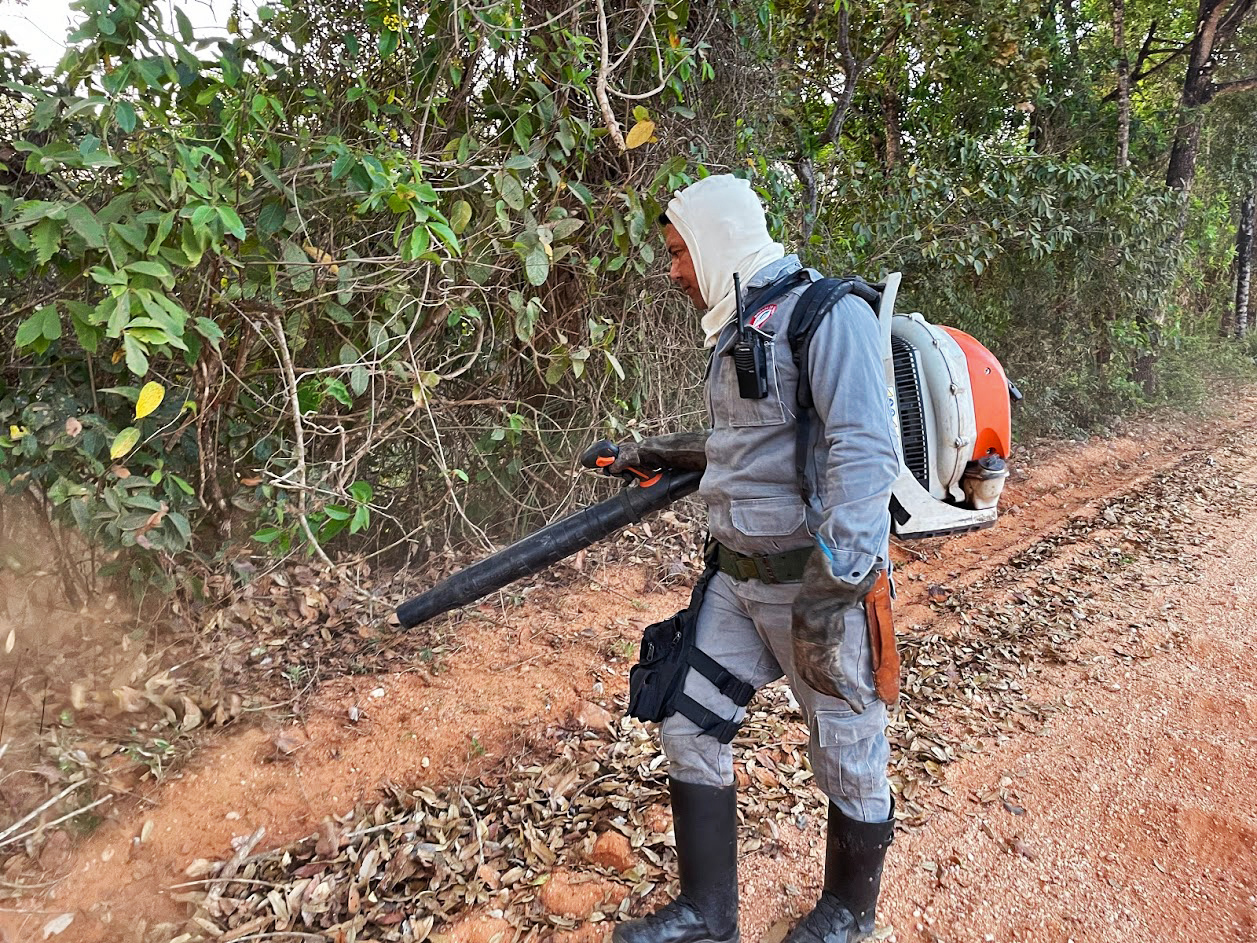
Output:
(855, 456)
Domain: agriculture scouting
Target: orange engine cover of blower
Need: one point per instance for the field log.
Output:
(991, 405)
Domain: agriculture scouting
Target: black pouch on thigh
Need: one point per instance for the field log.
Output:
(668, 652)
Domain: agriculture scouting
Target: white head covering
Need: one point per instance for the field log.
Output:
(722, 222)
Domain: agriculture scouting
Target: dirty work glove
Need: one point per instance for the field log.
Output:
(683, 451)
(817, 629)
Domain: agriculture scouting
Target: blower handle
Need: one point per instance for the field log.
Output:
(602, 455)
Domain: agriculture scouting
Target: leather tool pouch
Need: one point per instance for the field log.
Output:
(668, 652)
(877, 607)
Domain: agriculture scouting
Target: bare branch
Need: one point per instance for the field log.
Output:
(1242, 85)
(600, 88)
(298, 429)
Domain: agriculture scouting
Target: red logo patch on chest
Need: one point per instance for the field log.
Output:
(761, 316)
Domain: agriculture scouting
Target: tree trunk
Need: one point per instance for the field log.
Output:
(1182, 169)
(1244, 262)
(894, 134)
(1197, 90)
(1123, 85)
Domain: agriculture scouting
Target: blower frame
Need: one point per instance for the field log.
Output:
(953, 416)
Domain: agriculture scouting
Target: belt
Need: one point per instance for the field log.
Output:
(770, 568)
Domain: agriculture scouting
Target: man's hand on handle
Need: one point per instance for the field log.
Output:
(818, 629)
(681, 451)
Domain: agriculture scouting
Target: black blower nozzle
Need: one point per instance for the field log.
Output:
(548, 546)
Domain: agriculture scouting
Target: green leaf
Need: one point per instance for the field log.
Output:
(460, 216)
(338, 391)
(47, 239)
(202, 215)
(137, 358)
(418, 243)
(124, 442)
(582, 193)
(512, 192)
(267, 535)
(562, 228)
(84, 222)
(537, 266)
(361, 521)
(30, 330)
(361, 491)
(124, 114)
(343, 165)
(43, 325)
(184, 24)
(163, 230)
(271, 218)
(446, 235)
(158, 270)
(210, 331)
(525, 323)
(231, 221)
(519, 162)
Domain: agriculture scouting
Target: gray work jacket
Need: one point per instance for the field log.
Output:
(751, 485)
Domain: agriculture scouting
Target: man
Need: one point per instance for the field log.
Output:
(810, 562)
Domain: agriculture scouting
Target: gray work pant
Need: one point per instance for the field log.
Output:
(745, 627)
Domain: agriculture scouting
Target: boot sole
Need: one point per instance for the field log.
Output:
(736, 938)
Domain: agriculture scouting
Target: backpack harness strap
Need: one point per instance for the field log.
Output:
(815, 304)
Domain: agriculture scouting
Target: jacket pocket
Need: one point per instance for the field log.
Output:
(742, 413)
(767, 517)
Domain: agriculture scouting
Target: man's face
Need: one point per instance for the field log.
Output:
(682, 272)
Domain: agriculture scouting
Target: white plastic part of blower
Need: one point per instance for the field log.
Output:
(950, 427)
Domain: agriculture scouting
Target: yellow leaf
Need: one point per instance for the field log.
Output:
(150, 398)
(640, 134)
(124, 442)
(120, 353)
(16, 432)
(322, 257)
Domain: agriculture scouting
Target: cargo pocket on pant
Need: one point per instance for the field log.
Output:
(850, 753)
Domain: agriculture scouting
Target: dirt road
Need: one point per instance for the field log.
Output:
(1076, 757)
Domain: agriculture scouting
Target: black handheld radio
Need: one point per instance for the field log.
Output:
(750, 360)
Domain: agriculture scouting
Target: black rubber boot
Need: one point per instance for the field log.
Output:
(705, 822)
(854, 854)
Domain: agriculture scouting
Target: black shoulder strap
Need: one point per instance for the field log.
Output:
(757, 298)
(812, 308)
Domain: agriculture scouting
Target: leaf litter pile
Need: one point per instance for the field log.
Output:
(576, 832)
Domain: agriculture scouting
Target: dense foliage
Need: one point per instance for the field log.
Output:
(363, 277)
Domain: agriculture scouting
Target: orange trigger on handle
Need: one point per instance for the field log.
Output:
(602, 461)
(650, 481)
